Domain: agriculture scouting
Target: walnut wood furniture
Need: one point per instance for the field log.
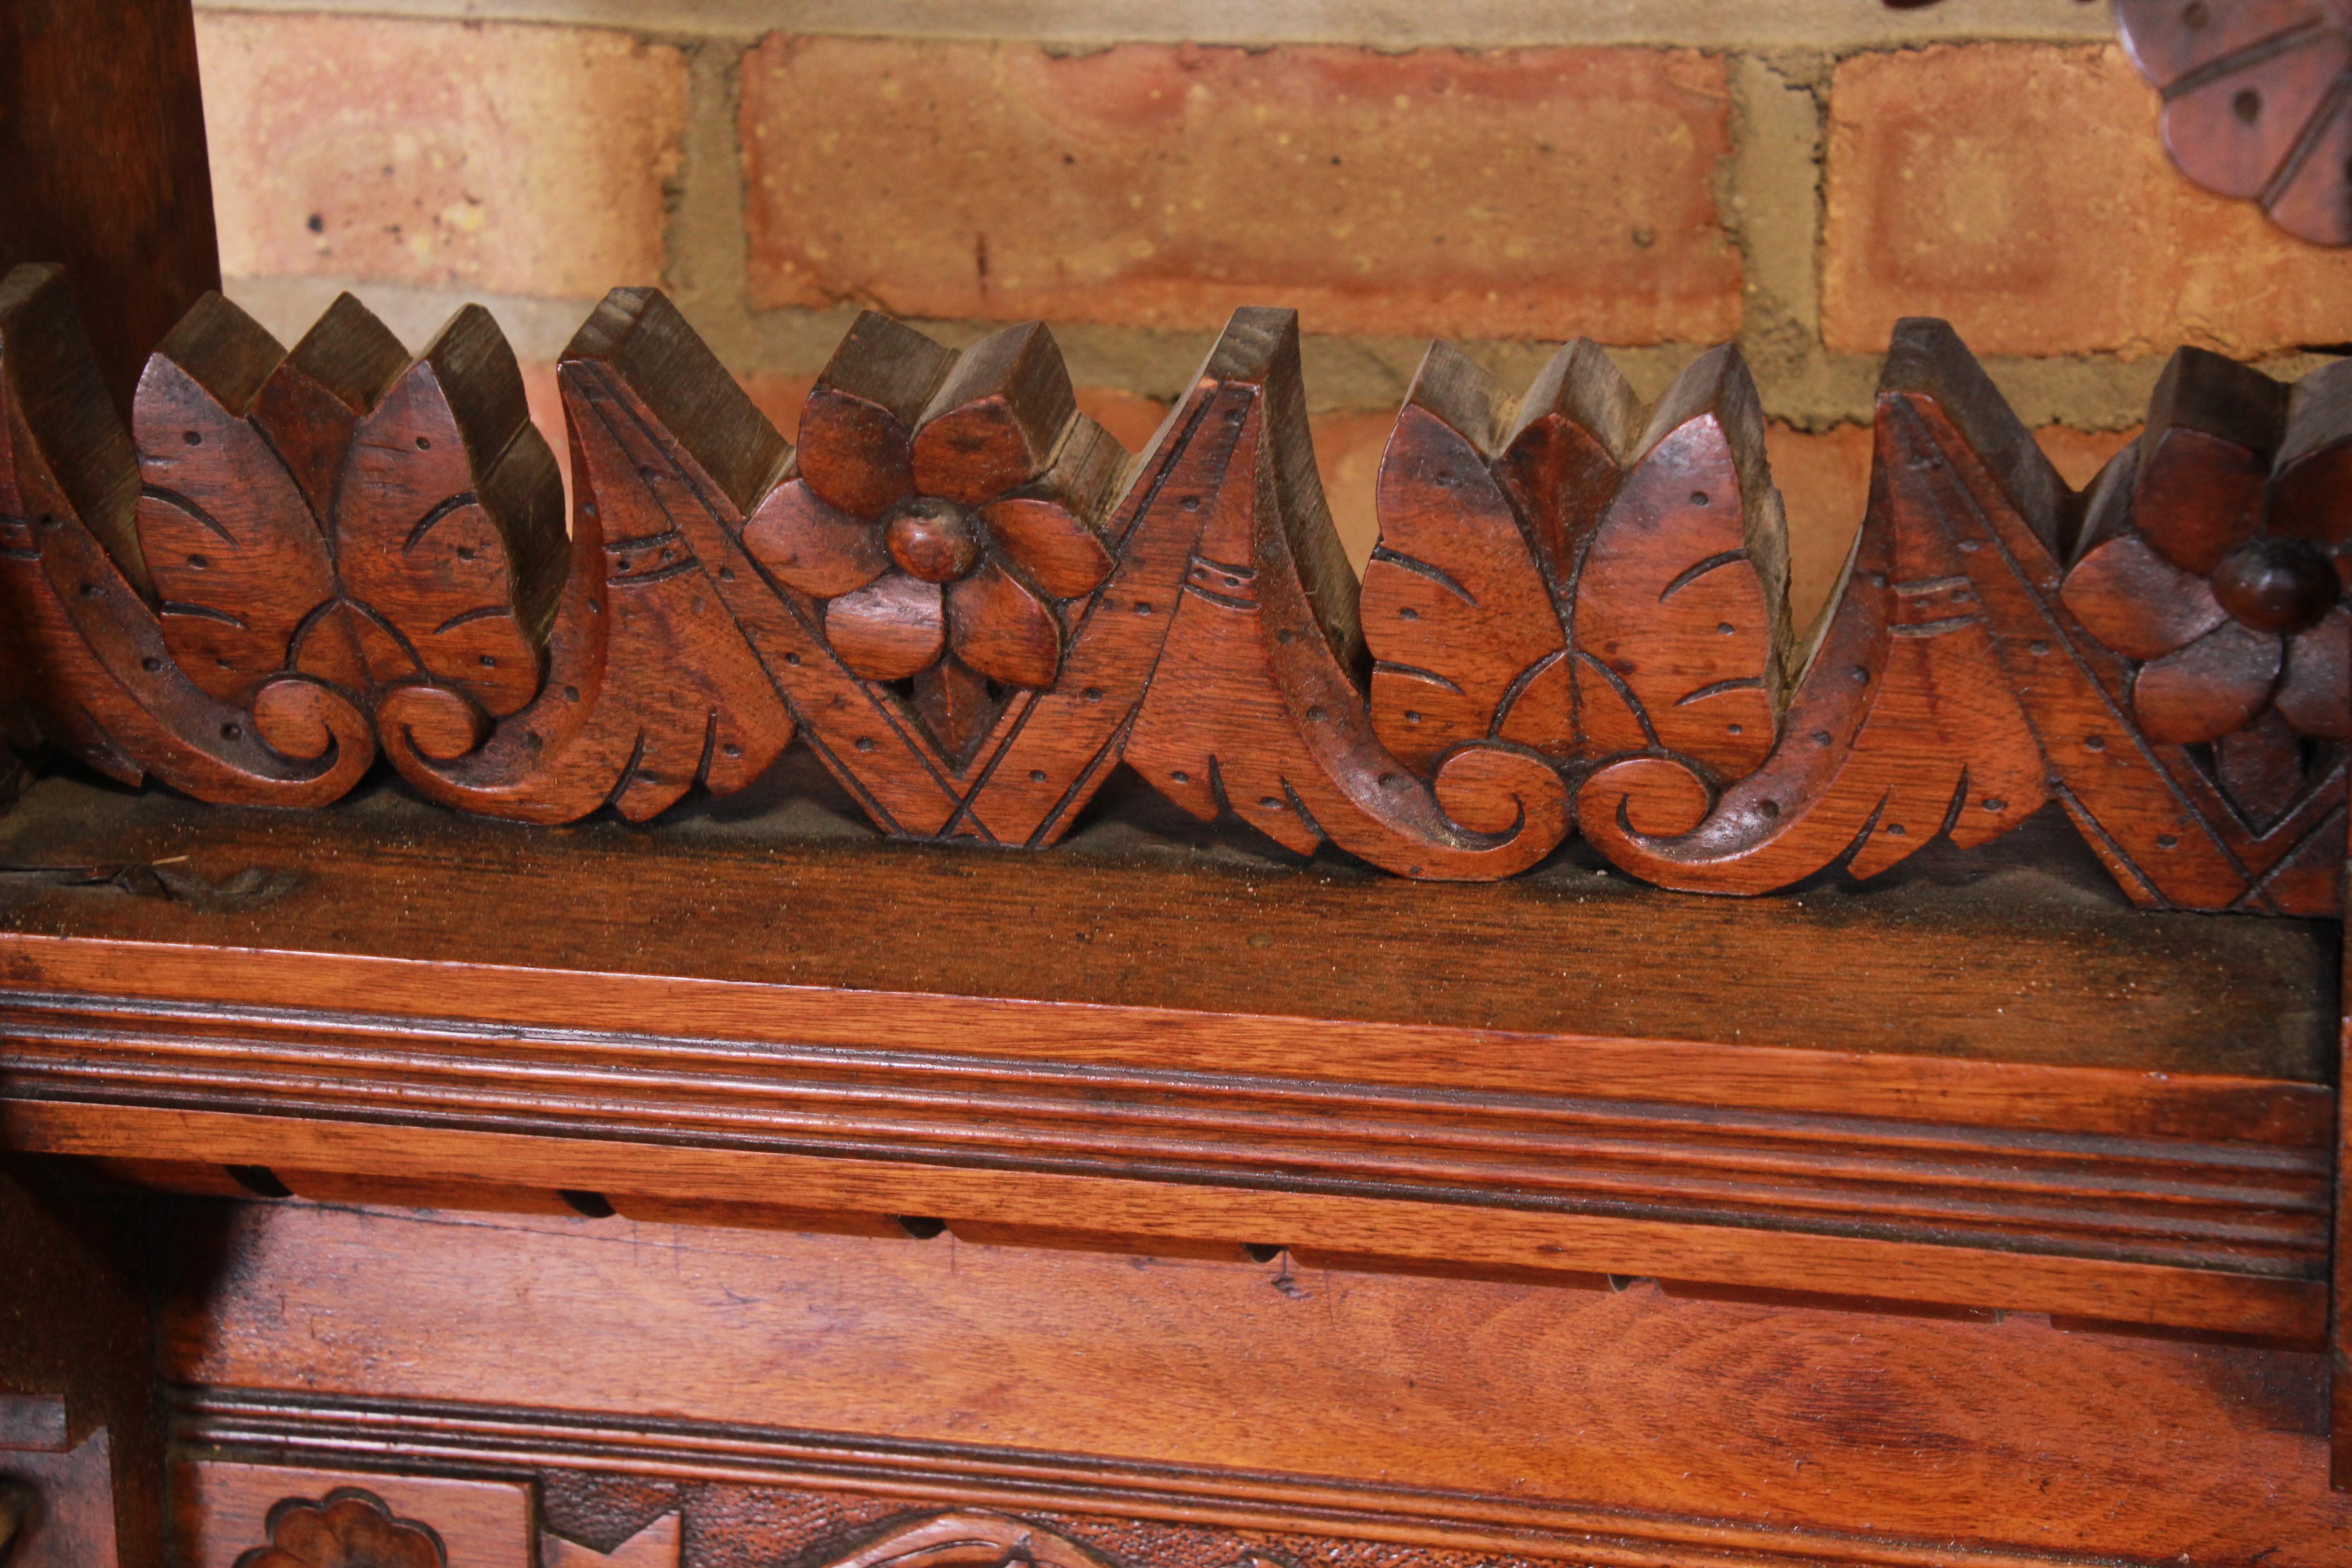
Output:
(952, 994)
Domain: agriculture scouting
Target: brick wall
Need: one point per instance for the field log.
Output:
(1659, 174)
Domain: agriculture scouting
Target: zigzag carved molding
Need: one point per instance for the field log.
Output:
(971, 604)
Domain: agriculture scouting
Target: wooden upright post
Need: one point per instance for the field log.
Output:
(102, 158)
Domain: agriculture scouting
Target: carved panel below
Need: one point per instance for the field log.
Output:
(229, 1515)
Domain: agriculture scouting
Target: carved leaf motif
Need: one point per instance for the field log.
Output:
(1680, 616)
(1254, 704)
(1457, 611)
(1902, 725)
(652, 684)
(238, 560)
(450, 521)
(87, 651)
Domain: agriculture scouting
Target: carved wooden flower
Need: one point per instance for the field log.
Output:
(942, 505)
(2227, 581)
(352, 1529)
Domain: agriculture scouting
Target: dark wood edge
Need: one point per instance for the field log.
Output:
(389, 996)
(2288, 1309)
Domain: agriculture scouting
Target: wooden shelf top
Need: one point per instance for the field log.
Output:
(2023, 953)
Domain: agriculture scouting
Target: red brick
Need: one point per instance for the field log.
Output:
(519, 160)
(2020, 191)
(1539, 193)
(2079, 454)
(780, 397)
(1130, 418)
(1348, 449)
(1824, 482)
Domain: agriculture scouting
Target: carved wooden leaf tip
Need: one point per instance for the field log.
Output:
(971, 604)
(348, 1529)
(345, 513)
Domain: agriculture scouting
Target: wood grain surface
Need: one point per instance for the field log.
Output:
(1438, 1407)
(2032, 961)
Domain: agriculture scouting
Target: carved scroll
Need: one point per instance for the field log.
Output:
(972, 604)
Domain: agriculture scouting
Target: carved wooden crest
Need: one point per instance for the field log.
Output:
(972, 604)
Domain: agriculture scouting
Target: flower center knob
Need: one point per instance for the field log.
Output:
(2275, 584)
(934, 540)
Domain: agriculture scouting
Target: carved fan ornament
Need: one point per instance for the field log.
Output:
(972, 604)
(348, 1529)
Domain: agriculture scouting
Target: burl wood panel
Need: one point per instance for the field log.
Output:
(973, 606)
(1600, 1425)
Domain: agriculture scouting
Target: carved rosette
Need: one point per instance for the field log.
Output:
(2215, 559)
(946, 511)
(972, 604)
